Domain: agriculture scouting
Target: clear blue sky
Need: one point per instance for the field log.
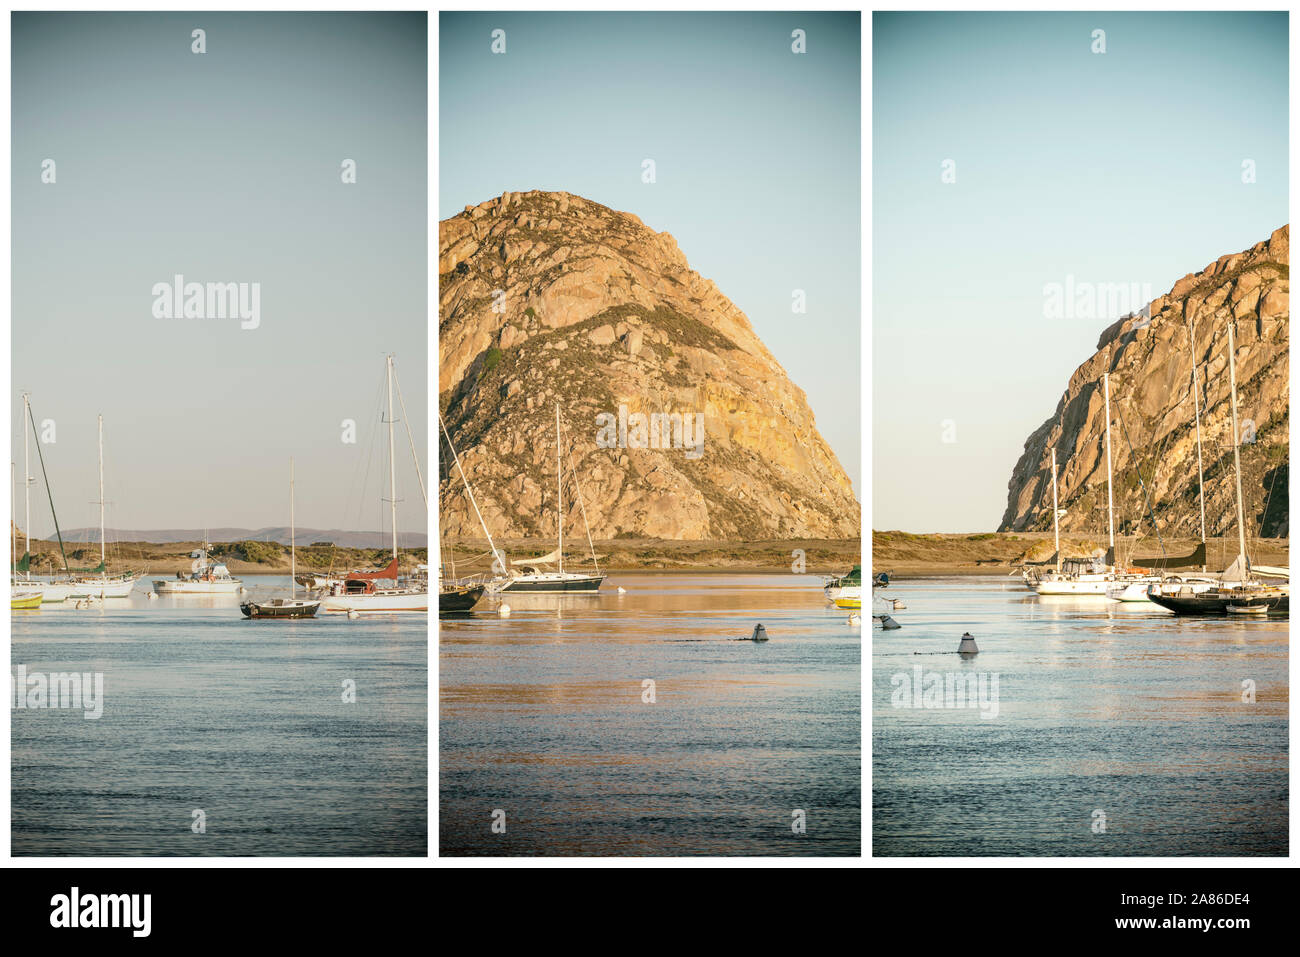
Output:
(224, 167)
(757, 149)
(1116, 167)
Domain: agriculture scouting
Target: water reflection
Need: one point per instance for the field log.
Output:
(544, 716)
(1121, 708)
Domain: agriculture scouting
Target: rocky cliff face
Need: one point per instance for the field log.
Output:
(549, 298)
(1150, 365)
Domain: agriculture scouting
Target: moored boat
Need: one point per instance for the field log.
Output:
(533, 579)
(280, 608)
(834, 586)
(207, 577)
(849, 596)
(98, 583)
(362, 592)
(293, 606)
(1240, 590)
(454, 596)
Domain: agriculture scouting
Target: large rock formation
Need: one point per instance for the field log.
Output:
(1149, 358)
(549, 298)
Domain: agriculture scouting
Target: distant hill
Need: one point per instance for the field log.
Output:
(304, 536)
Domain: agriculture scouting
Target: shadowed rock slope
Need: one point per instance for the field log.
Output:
(1150, 366)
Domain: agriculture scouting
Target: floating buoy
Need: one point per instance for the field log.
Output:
(622, 590)
(353, 613)
(151, 596)
(503, 611)
(855, 619)
(760, 634)
(889, 624)
(968, 646)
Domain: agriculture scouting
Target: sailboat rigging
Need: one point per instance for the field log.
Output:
(1239, 590)
(361, 591)
(533, 578)
(293, 606)
(97, 583)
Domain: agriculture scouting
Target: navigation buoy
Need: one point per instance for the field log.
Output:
(151, 596)
(855, 619)
(967, 646)
(503, 611)
(760, 634)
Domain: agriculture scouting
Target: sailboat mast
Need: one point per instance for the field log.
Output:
(13, 526)
(1110, 498)
(392, 472)
(469, 491)
(27, 482)
(1196, 402)
(102, 556)
(559, 487)
(1236, 455)
(293, 552)
(1056, 514)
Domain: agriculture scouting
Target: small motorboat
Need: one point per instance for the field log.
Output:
(207, 577)
(850, 596)
(25, 602)
(280, 608)
(836, 586)
(293, 606)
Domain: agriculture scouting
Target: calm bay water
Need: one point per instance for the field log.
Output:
(542, 717)
(242, 720)
(1112, 714)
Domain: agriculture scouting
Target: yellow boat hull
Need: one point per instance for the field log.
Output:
(26, 601)
(848, 602)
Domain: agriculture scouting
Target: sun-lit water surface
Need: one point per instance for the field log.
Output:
(242, 720)
(1112, 714)
(542, 717)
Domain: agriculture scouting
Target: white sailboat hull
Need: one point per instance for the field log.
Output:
(1130, 590)
(104, 588)
(1090, 587)
(184, 587)
(377, 603)
(53, 592)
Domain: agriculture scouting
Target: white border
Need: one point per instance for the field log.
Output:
(725, 5)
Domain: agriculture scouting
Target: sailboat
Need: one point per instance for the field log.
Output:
(360, 591)
(455, 595)
(1239, 591)
(52, 592)
(22, 594)
(293, 606)
(536, 580)
(98, 584)
(1092, 578)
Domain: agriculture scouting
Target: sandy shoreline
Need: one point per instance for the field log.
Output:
(996, 554)
(819, 557)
